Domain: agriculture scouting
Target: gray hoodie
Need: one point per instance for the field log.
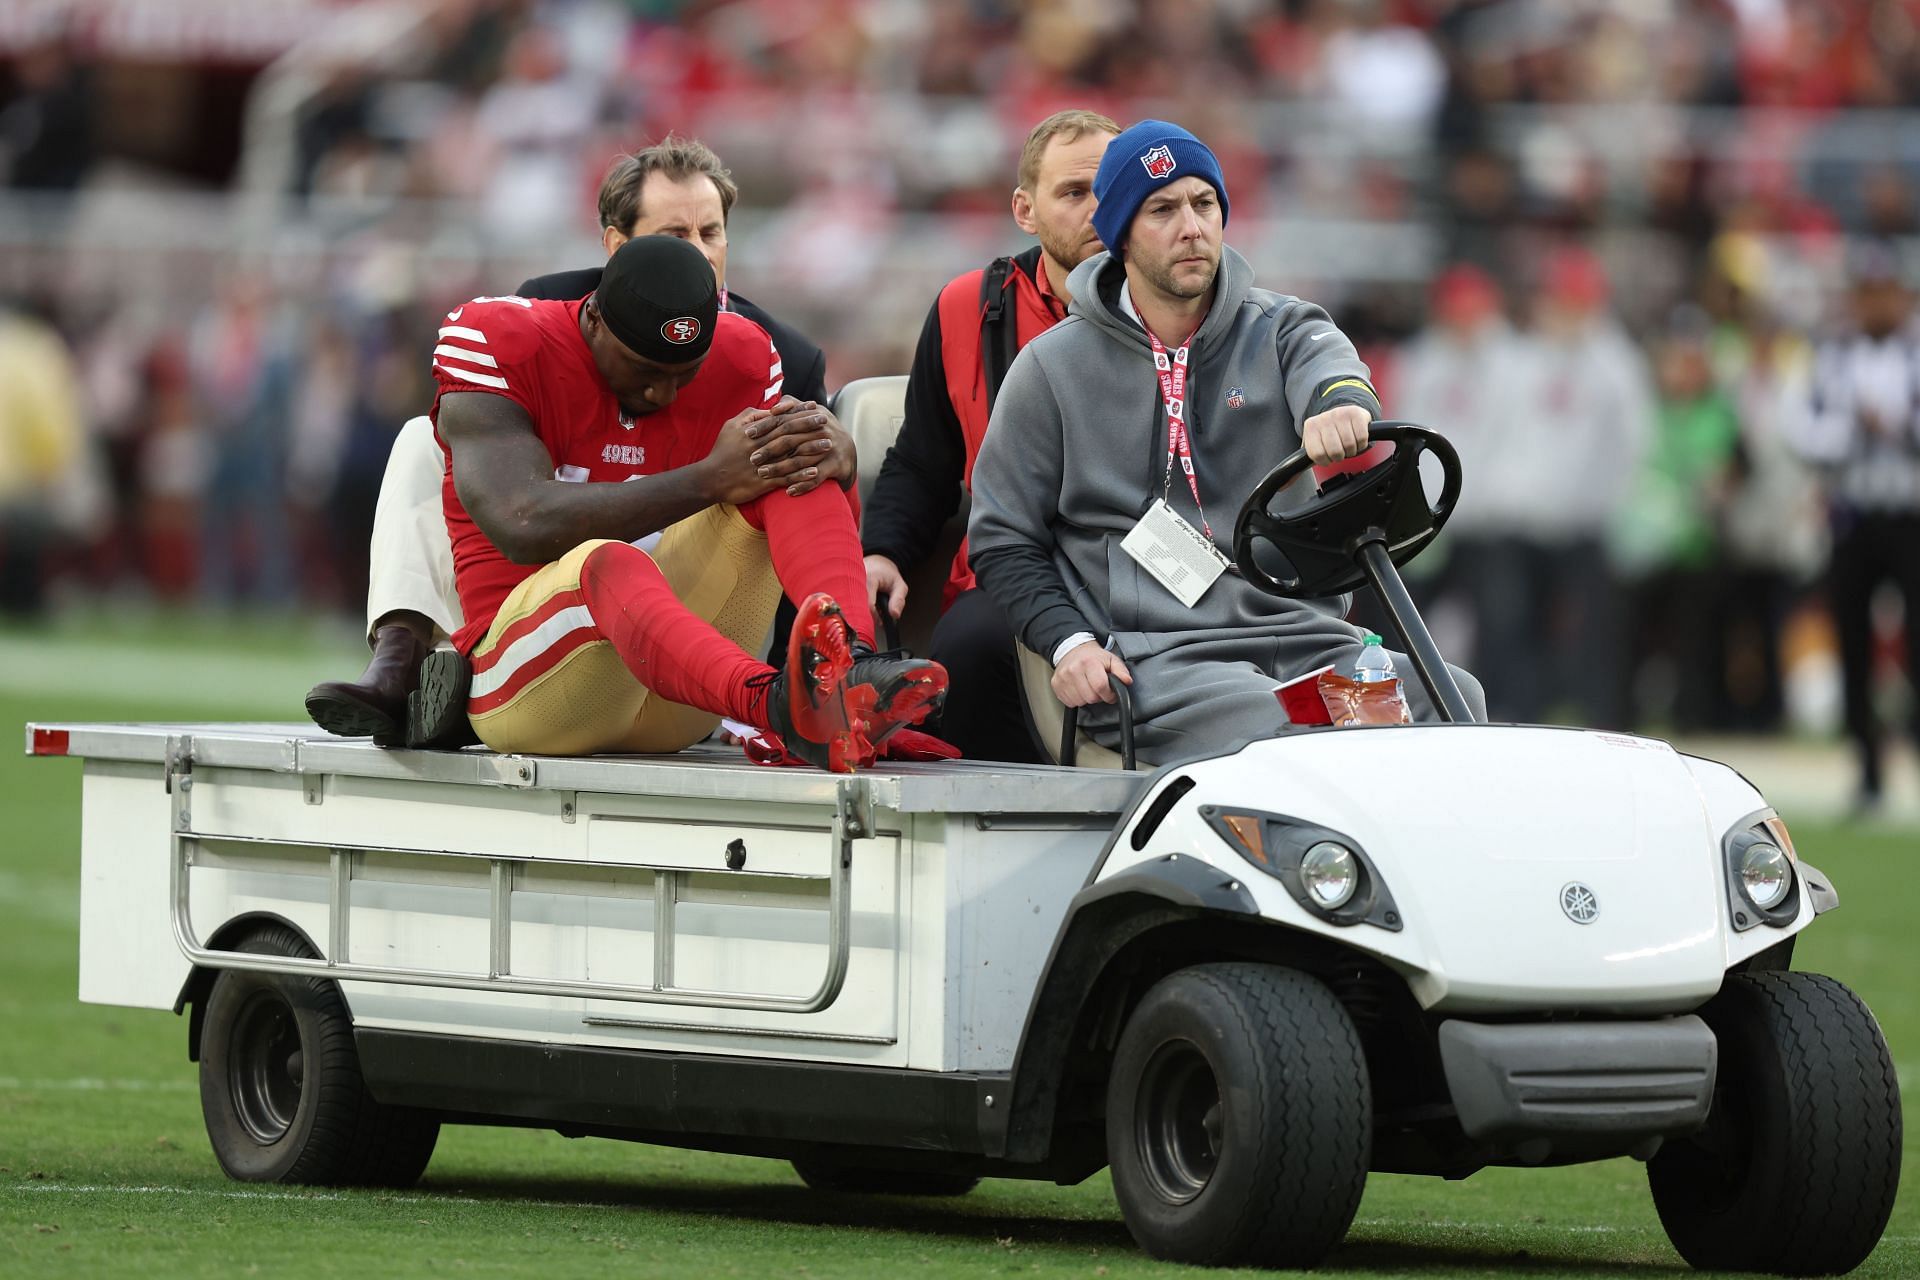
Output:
(1077, 450)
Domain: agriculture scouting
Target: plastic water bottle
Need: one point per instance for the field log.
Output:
(1374, 662)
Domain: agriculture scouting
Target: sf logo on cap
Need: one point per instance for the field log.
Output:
(681, 331)
(1159, 162)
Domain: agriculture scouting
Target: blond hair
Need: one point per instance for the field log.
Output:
(1071, 126)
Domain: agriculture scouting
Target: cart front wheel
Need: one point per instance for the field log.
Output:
(1239, 1120)
(1795, 1171)
(280, 1083)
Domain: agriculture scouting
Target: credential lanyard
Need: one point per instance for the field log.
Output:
(1173, 393)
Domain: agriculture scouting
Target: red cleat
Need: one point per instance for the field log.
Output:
(806, 704)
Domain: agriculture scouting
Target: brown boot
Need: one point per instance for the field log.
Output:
(375, 705)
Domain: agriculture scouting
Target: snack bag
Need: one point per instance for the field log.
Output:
(1350, 702)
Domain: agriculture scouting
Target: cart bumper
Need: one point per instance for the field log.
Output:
(1549, 1093)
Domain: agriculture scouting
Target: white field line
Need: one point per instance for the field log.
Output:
(297, 1196)
(68, 1188)
(1398, 1224)
(1450, 1224)
(92, 1084)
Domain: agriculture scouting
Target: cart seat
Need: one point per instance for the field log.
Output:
(871, 409)
(1048, 718)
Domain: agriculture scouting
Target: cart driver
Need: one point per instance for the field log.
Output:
(616, 549)
(1166, 328)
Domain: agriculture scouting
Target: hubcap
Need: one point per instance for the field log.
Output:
(1179, 1122)
(266, 1069)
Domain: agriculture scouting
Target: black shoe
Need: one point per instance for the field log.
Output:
(889, 691)
(375, 705)
(437, 709)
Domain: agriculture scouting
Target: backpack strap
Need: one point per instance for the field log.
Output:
(999, 336)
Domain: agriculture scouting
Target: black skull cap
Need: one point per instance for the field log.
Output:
(658, 296)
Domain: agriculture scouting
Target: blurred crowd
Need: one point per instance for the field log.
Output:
(1599, 244)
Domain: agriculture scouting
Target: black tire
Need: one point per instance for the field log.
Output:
(1239, 1118)
(280, 1084)
(835, 1173)
(1796, 1169)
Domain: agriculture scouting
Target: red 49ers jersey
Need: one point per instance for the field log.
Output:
(533, 353)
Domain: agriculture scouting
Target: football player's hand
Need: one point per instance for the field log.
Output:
(886, 586)
(803, 444)
(1340, 432)
(1081, 679)
(728, 473)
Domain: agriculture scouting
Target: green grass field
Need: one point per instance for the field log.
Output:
(105, 1170)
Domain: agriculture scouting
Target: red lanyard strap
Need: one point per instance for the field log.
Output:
(1173, 394)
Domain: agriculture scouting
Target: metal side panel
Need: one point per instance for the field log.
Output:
(392, 813)
(928, 922)
(769, 933)
(478, 927)
(1013, 880)
(127, 953)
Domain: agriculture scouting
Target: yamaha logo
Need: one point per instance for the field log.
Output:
(1580, 904)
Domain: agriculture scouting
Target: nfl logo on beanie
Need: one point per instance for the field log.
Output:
(1165, 153)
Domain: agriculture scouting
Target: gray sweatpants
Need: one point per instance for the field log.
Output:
(1208, 696)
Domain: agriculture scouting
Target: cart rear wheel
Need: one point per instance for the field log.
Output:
(833, 1173)
(280, 1084)
(1239, 1119)
(1796, 1169)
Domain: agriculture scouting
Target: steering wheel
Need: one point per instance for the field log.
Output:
(1386, 503)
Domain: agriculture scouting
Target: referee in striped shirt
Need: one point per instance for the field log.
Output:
(1864, 434)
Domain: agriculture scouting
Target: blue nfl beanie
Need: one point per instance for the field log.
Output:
(1139, 162)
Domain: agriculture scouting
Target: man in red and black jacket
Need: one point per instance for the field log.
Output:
(976, 327)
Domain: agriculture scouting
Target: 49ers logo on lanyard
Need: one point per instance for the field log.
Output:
(1173, 393)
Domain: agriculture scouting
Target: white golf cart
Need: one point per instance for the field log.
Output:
(1243, 981)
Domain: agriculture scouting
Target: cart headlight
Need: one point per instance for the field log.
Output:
(1765, 874)
(1323, 870)
(1762, 885)
(1330, 874)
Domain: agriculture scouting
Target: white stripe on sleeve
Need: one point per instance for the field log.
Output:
(466, 357)
(775, 374)
(478, 379)
(461, 331)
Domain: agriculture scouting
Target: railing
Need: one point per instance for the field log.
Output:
(852, 820)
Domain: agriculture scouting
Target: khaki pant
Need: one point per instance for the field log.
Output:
(411, 562)
(547, 682)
